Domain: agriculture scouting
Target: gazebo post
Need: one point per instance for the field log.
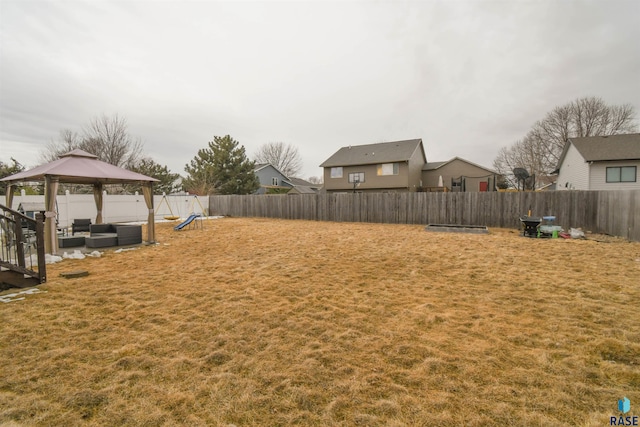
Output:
(9, 196)
(50, 232)
(97, 196)
(147, 191)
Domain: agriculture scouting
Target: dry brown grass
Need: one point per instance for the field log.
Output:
(270, 322)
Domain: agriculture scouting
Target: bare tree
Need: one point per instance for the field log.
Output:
(315, 180)
(284, 157)
(106, 137)
(539, 151)
(68, 140)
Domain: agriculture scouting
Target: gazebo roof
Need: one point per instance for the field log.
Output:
(80, 167)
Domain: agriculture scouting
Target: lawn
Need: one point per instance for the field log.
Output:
(274, 322)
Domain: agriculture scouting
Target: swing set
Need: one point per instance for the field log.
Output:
(172, 216)
(193, 202)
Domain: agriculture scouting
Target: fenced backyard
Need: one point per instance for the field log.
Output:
(255, 321)
(610, 212)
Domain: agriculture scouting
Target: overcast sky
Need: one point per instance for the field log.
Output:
(468, 77)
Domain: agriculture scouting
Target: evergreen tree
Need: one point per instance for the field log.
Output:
(167, 183)
(222, 168)
(7, 169)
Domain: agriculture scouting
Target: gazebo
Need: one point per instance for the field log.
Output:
(80, 167)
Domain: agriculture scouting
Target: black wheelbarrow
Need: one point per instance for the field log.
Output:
(530, 225)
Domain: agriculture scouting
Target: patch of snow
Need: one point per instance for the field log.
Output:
(52, 259)
(124, 250)
(17, 296)
(75, 255)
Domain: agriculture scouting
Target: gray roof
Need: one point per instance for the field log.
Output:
(303, 189)
(31, 206)
(603, 148)
(433, 165)
(437, 165)
(259, 166)
(384, 152)
(302, 182)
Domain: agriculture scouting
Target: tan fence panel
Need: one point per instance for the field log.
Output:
(611, 212)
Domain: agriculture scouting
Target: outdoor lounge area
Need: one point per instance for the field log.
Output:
(81, 167)
(104, 235)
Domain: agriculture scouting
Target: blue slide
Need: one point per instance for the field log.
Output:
(186, 222)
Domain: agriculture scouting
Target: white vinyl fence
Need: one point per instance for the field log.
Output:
(119, 208)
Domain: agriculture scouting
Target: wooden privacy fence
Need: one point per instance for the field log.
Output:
(611, 212)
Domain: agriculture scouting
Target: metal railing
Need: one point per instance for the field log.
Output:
(22, 244)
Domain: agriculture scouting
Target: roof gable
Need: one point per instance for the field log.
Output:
(605, 148)
(301, 182)
(437, 165)
(384, 152)
(433, 165)
(262, 166)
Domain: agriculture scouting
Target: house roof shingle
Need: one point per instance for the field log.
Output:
(433, 165)
(299, 181)
(384, 152)
(303, 189)
(603, 148)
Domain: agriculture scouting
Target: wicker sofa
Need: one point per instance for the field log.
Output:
(104, 235)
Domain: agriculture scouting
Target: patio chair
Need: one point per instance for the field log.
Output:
(80, 225)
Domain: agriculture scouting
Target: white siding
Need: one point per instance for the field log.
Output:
(598, 176)
(574, 172)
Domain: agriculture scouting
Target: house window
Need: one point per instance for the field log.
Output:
(274, 181)
(388, 169)
(356, 177)
(621, 174)
(336, 172)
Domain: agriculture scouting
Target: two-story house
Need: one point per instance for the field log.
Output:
(388, 166)
(600, 163)
(272, 181)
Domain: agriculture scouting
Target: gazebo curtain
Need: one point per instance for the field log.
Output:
(147, 191)
(50, 231)
(97, 196)
(9, 196)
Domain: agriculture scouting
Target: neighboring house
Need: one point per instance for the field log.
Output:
(300, 186)
(271, 179)
(387, 167)
(30, 209)
(600, 163)
(546, 182)
(458, 175)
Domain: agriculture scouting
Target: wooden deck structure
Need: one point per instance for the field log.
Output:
(22, 240)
